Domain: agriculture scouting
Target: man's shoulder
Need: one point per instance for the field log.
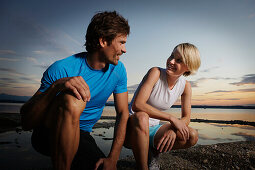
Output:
(69, 61)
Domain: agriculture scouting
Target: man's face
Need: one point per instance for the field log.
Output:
(113, 51)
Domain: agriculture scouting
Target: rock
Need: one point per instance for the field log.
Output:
(226, 156)
(205, 161)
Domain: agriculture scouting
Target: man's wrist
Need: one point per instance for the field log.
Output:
(113, 158)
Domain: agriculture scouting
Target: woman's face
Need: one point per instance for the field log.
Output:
(175, 64)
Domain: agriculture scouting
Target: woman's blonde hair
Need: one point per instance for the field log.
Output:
(190, 56)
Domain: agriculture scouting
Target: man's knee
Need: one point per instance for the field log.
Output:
(193, 136)
(70, 106)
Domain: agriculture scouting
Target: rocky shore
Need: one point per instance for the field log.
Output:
(236, 155)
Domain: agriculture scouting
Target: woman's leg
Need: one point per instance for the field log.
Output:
(137, 138)
(179, 143)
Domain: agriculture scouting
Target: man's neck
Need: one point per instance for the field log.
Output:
(95, 61)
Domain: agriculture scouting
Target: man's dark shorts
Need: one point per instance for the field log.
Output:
(86, 157)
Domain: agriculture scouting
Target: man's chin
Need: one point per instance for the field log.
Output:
(115, 62)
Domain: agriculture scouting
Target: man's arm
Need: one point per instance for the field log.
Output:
(33, 111)
(121, 106)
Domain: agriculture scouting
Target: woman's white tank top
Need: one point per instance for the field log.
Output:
(162, 98)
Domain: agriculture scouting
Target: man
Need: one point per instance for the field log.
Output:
(72, 96)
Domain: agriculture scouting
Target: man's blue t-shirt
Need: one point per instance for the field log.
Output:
(102, 83)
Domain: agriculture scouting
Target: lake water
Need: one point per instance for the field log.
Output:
(16, 151)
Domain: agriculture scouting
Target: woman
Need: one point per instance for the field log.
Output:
(158, 91)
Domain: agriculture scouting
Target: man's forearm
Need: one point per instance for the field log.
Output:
(119, 136)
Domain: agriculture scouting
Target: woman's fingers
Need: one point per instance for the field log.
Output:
(164, 143)
(171, 144)
(167, 144)
(160, 142)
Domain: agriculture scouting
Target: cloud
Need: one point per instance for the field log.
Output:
(32, 36)
(12, 71)
(251, 16)
(229, 99)
(7, 52)
(9, 59)
(231, 91)
(16, 77)
(246, 79)
(193, 83)
(8, 80)
(219, 91)
(203, 79)
(209, 69)
(42, 66)
(247, 90)
(32, 59)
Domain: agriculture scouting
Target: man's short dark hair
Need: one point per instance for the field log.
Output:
(106, 25)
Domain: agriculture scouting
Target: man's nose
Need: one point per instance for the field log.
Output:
(124, 50)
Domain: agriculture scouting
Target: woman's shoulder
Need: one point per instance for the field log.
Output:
(155, 71)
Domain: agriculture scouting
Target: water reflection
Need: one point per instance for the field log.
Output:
(16, 146)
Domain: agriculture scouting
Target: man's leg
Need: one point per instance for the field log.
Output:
(88, 153)
(137, 138)
(179, 143)
(63, 121)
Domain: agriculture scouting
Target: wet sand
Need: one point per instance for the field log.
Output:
(236, 155)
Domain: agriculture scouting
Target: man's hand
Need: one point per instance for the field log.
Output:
(77, 85)
(108, 164)
(167, 141)
(181, 127)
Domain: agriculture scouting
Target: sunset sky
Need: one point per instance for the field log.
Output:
(34, 34)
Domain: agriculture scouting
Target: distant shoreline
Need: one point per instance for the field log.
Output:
(239, 122)
(9, 121)
(174, 106)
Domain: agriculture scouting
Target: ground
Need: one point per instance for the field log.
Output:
(236, 155)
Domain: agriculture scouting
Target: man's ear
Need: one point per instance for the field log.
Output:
(102, 42)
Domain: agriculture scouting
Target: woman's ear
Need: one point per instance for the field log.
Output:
(102, 42)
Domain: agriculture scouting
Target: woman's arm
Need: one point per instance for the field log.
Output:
(186, 103)
(143, 94)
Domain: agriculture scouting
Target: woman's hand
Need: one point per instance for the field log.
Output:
(181, 127)
(167, 141)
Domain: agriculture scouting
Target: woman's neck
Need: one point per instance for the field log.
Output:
(171, 81)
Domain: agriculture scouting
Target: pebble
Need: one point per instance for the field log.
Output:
(205, 161)
(252, 168)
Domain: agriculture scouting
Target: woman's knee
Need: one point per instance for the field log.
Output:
(139, 121)
(193, 136)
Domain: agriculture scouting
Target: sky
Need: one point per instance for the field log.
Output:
(34, 34)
